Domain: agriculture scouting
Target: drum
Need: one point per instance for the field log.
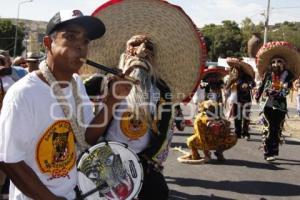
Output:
(109, 170)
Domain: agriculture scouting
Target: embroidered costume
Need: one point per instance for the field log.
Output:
(278, 64)
(211, 130)
(239, 85)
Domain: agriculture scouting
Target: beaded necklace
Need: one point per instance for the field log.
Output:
(79, 131)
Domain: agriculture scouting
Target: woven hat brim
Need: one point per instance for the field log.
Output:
(287, 51)
(245, 67)
(179, 47)
(32, 59)
(219, 71)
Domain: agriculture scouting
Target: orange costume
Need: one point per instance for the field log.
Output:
(211, 132)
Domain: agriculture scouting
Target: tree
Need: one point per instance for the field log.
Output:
(7, 36)
(248, 28)
(229, 40)
(209, 32)
(223, 40)
(287, 31)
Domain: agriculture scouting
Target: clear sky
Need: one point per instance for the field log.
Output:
(200, 11)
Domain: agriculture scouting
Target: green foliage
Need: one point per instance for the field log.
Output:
(228, 39)
(222, 40)
(286, 31)
(247, 29)
(7, 36)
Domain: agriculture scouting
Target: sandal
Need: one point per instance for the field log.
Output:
(188, 159)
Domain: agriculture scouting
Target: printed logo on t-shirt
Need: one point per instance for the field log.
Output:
(55, 152)
(132, 128)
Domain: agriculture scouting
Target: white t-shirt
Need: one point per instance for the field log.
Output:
(33, 129)
(7, 81)
(131, 132)
(199, 95)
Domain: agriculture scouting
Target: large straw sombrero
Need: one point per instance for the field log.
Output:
(217, 71)
(179, 48)
(281, 49)
(245, 67)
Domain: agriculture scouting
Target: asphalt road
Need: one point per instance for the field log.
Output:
(244, 174)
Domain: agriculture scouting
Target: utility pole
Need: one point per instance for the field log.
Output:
(267, 23)
(17, 22)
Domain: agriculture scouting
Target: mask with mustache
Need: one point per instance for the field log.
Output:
(137, 60)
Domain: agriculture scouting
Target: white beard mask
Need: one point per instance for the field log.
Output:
(139, 99)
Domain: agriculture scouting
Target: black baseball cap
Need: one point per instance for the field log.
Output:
(93, 26)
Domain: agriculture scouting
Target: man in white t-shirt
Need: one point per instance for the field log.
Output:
(45, 114)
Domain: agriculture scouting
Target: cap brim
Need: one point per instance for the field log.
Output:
(93, 26)
(219, 72)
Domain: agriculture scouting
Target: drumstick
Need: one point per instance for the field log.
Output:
(96, 189)
(109, 70)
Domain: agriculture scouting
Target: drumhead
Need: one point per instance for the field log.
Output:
(109, 170)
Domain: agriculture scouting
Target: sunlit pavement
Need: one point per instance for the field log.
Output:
(244, 175)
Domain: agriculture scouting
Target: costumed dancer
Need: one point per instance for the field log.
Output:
(297, 89)
(211, 130)
(153, 55)
(212, 83)
(238, 91)
(278, 63)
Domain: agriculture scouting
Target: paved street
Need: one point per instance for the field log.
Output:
(244, 175)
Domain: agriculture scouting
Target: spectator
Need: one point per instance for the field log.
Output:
(32, 61)
(20, 61)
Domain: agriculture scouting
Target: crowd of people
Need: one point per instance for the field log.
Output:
(42, 147)
(278, 69)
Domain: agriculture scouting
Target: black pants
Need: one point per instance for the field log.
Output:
(241, 114)
(5, 188)
(275, 118)
(154, 185)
